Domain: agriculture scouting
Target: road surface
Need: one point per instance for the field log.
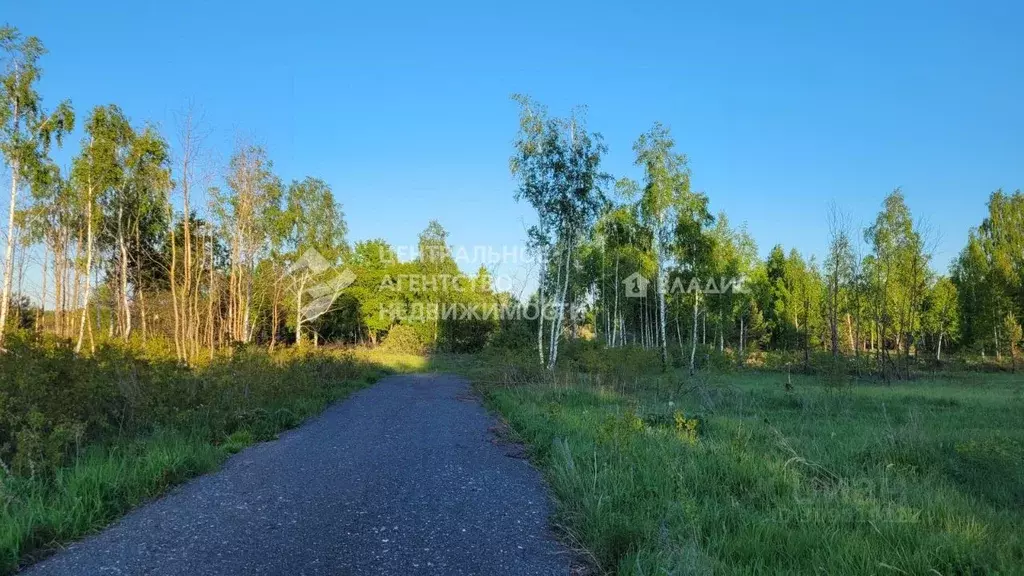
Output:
(401, 478)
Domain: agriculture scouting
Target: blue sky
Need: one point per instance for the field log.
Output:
(404, 106)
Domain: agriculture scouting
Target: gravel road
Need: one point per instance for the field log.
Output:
(401, 478)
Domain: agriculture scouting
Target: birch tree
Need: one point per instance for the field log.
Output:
(692, 247)
(666, 194)
(315, 230)
(95, 171)
(252, 195)
(26, 133)
(533, 164)
(839, 270)
(558, 165)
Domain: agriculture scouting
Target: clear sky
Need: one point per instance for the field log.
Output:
(404, 107)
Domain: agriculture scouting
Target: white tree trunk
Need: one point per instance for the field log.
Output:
(742, 327)
(661, 313)
(248, 304)
(298, 311)
(617, 319)
(693, 345)
(557, 310)
(40, 323)
(88, 268)
(660, 287)
(553, 357)
(540, 308)
(127, 329)
(5, 298)
(679, 335)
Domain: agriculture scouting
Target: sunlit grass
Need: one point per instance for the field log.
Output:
(920, 478)
(187, 422)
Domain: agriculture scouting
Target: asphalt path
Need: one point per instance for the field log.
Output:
(404, 477)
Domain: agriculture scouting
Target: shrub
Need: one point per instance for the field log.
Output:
(403, 339)
(54, 402)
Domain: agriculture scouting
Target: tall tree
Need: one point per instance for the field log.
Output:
(941, 316)
(900, 276)
(558, 162)
(26, 132)
(804, 291)
(989, 273)
(316, 230)
(95, 171)
(245, 211)
(534, 163)
(132, 208)
(375, 263)
(666, 195)
(838, 273)
(692, 247)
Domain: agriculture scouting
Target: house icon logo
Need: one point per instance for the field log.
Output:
(636, 285)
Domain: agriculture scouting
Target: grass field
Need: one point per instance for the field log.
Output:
(742, 474)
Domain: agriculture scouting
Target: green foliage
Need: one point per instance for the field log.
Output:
(989, 273)
(26, 133)
(586, 356)
(686, 428)
(402, 338)
(1012, 337)
(514, 335)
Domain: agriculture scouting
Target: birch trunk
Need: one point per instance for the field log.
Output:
(693, 346)
(540, 308)
(126, 330)
(212, 291)
(679, 334)
(140, 292)
(617, 321)
(179, 354)
(721, 331)
(661, 309)
(88, 268)
(553, 359)
(5, 298)
(298, 312)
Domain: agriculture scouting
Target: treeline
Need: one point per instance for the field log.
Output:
(136, 243)
(874, 298)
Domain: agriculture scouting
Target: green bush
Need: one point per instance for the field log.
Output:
(403, 339)
(514, 334)
(592, 357)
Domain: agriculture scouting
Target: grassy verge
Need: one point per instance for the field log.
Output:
(742, 474)
(91, 438)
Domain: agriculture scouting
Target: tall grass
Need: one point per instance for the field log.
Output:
(84, 439)
(818, 477)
